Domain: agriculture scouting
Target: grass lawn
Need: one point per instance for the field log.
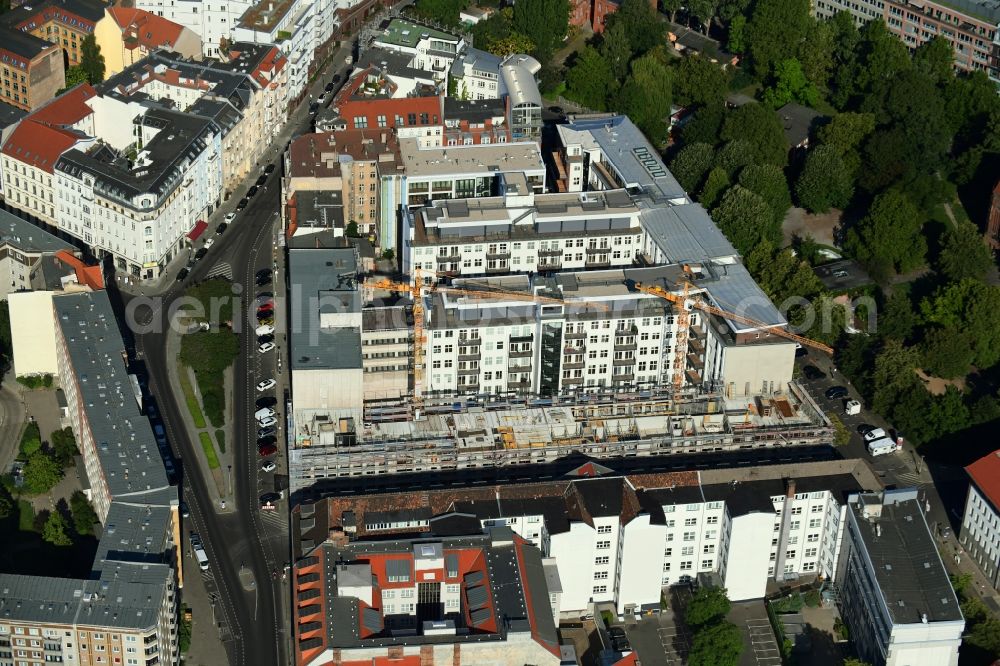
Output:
(190, 398)
(209, 448)
(220, 437)
(25, 516)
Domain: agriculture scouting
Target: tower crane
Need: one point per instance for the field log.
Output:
(687, 303)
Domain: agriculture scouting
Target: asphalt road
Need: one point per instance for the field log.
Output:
(233, 540)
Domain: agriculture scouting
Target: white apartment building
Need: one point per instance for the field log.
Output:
(894, 592)
(22, 246)
(624, 540)
(521, 232)
(980, 532)
(139, 211)
(429, 49)
(291, 26)
(213, 21)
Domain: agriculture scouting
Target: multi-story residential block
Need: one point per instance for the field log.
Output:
(139, 211)
(971, 26)
(387, 352)
(212, 22)
(126, 610)
(388, 74)
(981, 522)
(429, 49)
(31, 69)
(31, 151)
(471, 599)
(520, 232)
(475, 122)
(623, 537)
(62, 22)
(369, 100)
(10, 116)
(893, 590)
(481, 75)
(22, 247)
(126, 35)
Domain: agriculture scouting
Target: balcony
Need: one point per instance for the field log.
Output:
(550, 266)
(575, 335)
(572, 381)
(550, 252)
(469, 388)
(696, 361)
(598, 250)
(450, 258)
(623, 361)
(570, 349)
(696, 345)
(518, 367)
(468, 371)
(526, 353)
(498, 255)
(598, 262)
(466, 342)
(574, 366)
(474, 356)
(498, 269)
(519, 386)
(694, 376)
(628, 377)
(626, 346)
(522, 338)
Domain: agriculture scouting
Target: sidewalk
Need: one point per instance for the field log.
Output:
(207, 648)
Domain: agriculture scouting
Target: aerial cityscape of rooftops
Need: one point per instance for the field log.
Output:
(492, 332)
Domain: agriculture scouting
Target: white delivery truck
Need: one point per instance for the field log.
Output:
(882, 446)
(852, 407)
(199, 554)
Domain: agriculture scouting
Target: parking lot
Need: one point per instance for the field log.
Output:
(760, 648)
(659, 641)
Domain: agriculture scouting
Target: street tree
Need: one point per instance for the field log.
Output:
(717, 645)
(947, 352)
(760, 126)
(789, 84)
(691, 164)
(55, 530)
(964, 254)
(91, 59)
(708, 605)
(825, 181)
(745, 219)
(769, 182)
(41, 473)
(84, 516)
(716, 183)
(616, 50)
(890, 237)
(544, 22)
(590, 80)
(698, 80)
(775, 30)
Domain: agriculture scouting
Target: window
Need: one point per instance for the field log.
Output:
(689, 536)
(666, 566)
(690, 522)
(668, 552)
(600, 589)
(687, 551)
(706, 564)
(790, 553)
(601, 575)
(604, 529)
(712, 520)
(602, 560)
(602, 545)
(360, 122)
(814, 523)
(686, 565)
(382, 121)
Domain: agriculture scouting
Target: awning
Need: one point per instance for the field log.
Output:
(197, 230)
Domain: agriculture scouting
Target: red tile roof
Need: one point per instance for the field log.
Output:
(86, 275)
(149, 30)
(269, 67)
(67, 109)
(39, 145)
(985, 472)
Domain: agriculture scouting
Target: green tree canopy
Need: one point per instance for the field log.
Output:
(781, 274)
(509, 44)
(816, 53)
(787, 84)
(84, 516)
(745, 219)
(644, 29)
(717, 645)
(55, 530)
(209, 352)
(442, 11)
(708, 605)
(935, 58)
(544, 22)
(769, 182)
(897, 318)
(775, 30)
(691, 164)
(6, 504)
(762, 128)
(889, 238)
(91, 59)
(964, 254)
(716, 183)
(63, 446)
(825, 182)
(973, 307)
(590, 80)
(75, 75)
(736, 39)
(946, 352)
(41, 473)
(734, 156)
(704, 125)
(31, 440)
(698, 80)
(616, 50)
(883, 56)
(646, 97)
(704, 11)
(845, 133)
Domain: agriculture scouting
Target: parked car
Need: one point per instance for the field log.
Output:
(269, 421)
(266, 347)
(264, 329)
(261, 339)
(269, 439)
(242, 204)
(263, 413)
(267, 450)
(182, 273)
(230, 217)
(209, 243)
(185, 512)
(221, 229)
(812, 372)
(852, 407)
(263, 280)
(267, 401)
(265, 432)
(261, 179)
(202, 251)
(269, 169)
(268, 500)
(865, 428)
(267, 321)
(875, 433)
(329, 87)
(252, 191)
(268, 466)
(835, 392)
(265, 314)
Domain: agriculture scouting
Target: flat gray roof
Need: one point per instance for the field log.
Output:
(27, 237)
(322, 281)
(686, 233)
(905, 562)
(128, 453)
(134, 533)
(468, 161)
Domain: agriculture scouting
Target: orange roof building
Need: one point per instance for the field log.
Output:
(981, 522)
(127, 35)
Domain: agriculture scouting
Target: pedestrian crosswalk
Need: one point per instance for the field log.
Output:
(909, 479)
(277, 518)
(222, 269)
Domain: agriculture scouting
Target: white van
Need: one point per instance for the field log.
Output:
(880, 447)
(200, 555)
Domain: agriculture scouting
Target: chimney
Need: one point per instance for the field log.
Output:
(790, 485)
